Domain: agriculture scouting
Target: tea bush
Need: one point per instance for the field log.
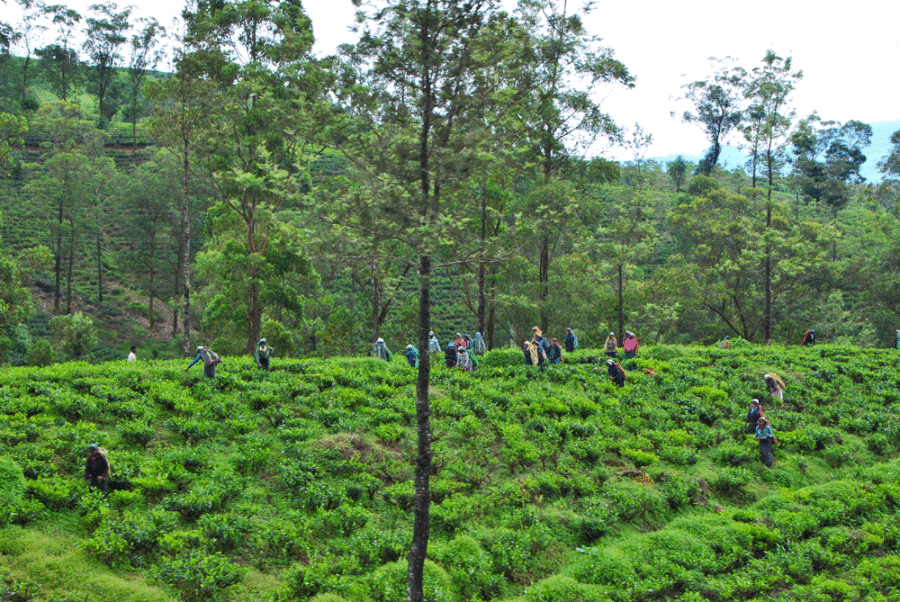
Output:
(305, 474)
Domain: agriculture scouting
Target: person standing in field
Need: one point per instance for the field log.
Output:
(412, 356)
(450, 355)
(630, 345)
(463, 361)
(96, 469)
(766, 439)
(611, 344)
(530, 353)
(478, 346)
(433, 345)
(571, 341)
(554, 354)
(380, 351)
(753, 415)
(262, 354)
(132, 357)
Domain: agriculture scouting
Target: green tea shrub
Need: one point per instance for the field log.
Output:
(561, 588)
(136, 432)
(21, 512)
(388, 583)
(56, 493)
(595, 521)
(284, 537)
(198, 576)
(401, 494)
(639, 457)
(193, 430)
(604, 566)
(211, 496)
(731, 481)
(130, 539)
(641, 504)
(373, 546)
(224, 532)
(12, 481)
(679, 490)
(733, 454)
(502, 358)
(345, 519)
(469, 568)
(878, 443)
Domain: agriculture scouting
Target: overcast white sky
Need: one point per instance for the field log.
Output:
(848, 53)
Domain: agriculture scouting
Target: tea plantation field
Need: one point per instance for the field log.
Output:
(554, 487)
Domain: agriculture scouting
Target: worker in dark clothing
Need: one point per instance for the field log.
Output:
(96, 469)
(809, 338)
(571, 341)
(450, 355)
(766, 439)
(554, 354)
(753, 416)
(210, 360)
(615, 372)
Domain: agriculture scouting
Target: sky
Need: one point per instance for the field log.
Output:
(848, 54)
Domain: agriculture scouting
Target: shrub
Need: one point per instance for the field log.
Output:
(136, 432)
(198, 576)
(731, 481)
(388, 583)
(635, 502)
(469, 568)
(560, 588)
(41, 354)
(12, 481)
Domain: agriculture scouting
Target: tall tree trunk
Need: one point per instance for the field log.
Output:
(150, 317)
(491, 318)
(421, 517)
(544, 291)
(99, 267)
(767, 315)
(186, 263)
(71, 267)
(176, 288)
(621, 279)
(482, 300)
(57, 262)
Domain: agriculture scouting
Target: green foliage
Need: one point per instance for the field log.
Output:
(198, 576)
(76, 333)
(533, 485)
(12, 481)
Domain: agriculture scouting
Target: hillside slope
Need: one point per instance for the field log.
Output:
(296, 484)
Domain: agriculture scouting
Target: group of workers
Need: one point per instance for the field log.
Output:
(757, 423)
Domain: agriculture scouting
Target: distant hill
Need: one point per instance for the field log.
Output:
(875, 152)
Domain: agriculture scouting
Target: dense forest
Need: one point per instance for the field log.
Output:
(258, 191)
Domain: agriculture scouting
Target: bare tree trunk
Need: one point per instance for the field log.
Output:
(99, 266)
(492, 318)
(71, 267)
(422, 506)
(186, 258)
(57, 262)
(621, 303)
(544, 291)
